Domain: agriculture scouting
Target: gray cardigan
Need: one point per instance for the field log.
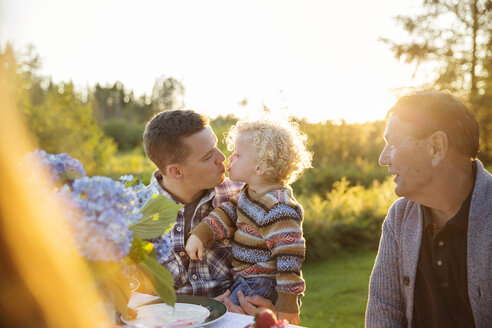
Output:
(392, 283)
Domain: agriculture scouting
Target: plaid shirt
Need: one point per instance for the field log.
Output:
(210, 276)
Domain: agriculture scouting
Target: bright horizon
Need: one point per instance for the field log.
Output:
(314, 60)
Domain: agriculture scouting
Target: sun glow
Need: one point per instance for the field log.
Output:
(316, 59)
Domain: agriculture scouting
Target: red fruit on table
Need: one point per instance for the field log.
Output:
(282, 324)
(265, 319)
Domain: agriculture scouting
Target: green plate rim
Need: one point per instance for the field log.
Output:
(217, 309)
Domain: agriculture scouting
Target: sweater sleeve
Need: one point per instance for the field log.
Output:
(219, 224)
(283, 235)
(386, 306)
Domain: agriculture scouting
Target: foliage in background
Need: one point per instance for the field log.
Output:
(167, 93)
(126, 134)
(62, 120)
(116, 102)
(345, 218)
(456, 35)
(132, 162)
(58, 119)
(342, 150)
(62, 123)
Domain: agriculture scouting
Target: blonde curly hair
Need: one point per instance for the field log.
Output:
(282, 146)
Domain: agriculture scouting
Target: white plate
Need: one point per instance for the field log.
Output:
(163, 315)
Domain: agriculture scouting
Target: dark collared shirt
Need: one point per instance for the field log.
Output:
(441, 286)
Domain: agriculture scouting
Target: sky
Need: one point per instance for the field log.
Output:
(314, 59)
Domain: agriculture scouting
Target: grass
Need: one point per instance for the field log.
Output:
(336, 292)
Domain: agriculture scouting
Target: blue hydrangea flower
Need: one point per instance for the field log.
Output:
(163, 246)
(107, 209)
(136, 184)
(61, 167)
(126, 178)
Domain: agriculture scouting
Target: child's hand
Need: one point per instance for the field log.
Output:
(194, 248)
(293, 318)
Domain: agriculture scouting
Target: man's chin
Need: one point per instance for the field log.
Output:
(399, 191)
(221, 179)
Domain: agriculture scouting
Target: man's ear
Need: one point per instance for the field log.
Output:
(174, 171)
(260, 168)
(438, 147)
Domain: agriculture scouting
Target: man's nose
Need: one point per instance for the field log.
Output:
(220, 158)
(384, 157)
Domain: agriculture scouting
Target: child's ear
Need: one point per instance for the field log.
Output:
(174, 171)
(260, 168)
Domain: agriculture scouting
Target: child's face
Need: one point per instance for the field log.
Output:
(243, 163)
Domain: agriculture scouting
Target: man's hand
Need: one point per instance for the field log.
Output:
(248, 304)
(194, 248)
(222, 297)
(293, 318)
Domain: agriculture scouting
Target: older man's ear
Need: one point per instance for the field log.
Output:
(438, 147)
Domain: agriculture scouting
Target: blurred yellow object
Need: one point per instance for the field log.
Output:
(42, 282)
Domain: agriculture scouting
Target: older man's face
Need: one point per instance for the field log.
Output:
(407, 158)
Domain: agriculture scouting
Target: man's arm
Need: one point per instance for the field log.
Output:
(386, 306)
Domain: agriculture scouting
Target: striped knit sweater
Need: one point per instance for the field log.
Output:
(268, 241)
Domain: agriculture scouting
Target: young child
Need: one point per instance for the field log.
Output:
(264, 220)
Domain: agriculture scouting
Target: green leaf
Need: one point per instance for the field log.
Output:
(161, 279)
(140, 249)
(159, 214)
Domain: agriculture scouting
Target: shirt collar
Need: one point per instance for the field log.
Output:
(156, 181)
(460, 219)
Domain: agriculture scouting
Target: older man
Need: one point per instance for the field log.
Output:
(434, 264)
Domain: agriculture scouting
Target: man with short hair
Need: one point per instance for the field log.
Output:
(190, 171)
(434, 264)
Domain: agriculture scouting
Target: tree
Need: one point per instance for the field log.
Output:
(56, 116)
(456, 36)
(62, 123)
(167, 93)
(114, 102)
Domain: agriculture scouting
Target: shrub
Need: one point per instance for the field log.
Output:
(62, 123)
(132, 162)
(347, 217)
(127, 135)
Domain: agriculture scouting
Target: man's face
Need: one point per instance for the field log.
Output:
(242, 162)
(407, 158)
(204, 167)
